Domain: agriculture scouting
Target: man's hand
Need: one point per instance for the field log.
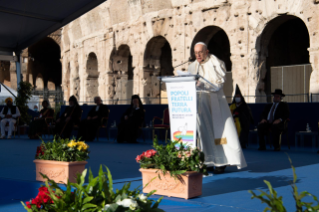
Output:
(263, 121)
(125, 117)
(57, 121)
(277, 121)
(95, 117)
(198, 83)
(89, 118)
(68, 119)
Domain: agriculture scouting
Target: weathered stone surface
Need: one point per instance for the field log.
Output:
(133, 41)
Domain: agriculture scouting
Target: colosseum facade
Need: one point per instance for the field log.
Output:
(122, 46)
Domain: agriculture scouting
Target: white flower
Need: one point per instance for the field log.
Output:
(106, 207)
(143, 198)
(128, 203)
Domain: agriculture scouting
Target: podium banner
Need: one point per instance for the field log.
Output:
(182, 111)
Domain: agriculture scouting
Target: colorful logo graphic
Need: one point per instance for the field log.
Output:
(185, 137)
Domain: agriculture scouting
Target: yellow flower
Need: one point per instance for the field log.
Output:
(82, 146)
(72, 144)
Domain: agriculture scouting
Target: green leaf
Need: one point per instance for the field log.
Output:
(87, 199)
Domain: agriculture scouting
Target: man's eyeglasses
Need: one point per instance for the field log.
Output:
(199, 53)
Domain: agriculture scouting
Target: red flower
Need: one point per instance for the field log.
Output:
(139, 157)
(40, 150)
(149, 153)
(28, 204)
(37, 201)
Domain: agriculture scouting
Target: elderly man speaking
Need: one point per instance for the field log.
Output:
(216, 130)
(8, 115)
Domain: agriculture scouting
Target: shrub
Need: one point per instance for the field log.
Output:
(97, 195)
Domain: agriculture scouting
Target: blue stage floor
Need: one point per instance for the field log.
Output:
(227, 192)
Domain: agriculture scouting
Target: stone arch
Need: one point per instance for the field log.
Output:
(217, 42)
(284, 41)
(157, 62)
(92, 83)
(39, 82)
(44, 59)
(51, 85)
(121, 66)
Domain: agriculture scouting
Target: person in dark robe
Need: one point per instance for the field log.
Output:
(242, 117)
(273, 118)
(70, 117)
(131, 120)
(89, 126)
(38, 125)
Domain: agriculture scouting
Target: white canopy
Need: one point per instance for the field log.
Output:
(4, 93)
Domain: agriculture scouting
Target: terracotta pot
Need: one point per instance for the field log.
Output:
(188, 186)
(59, 171)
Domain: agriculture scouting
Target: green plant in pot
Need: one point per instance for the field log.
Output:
(95, 196)
(176, 164)
(21, 101)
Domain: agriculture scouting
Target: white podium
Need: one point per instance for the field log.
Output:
(182, 104)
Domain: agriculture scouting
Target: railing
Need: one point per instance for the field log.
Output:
(308, 98)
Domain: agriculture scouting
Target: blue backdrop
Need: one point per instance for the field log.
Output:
(300, 115)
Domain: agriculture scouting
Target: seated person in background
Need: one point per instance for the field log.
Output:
(9, 114)
(89, 126)
(273, 117)
(242, 117)
(71, 116)
(131, 121)
(37, 126)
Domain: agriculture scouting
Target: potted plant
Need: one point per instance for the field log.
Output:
(61, 159)
(172, 171)
(94, 196)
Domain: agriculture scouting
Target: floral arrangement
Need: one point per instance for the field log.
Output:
(41, 199)
(175, 157)
(95, 196)
(63, 150)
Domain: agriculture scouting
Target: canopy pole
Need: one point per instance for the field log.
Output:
(18, 67)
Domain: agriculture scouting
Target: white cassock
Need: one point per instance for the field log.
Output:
(11, 121)
(216, 130)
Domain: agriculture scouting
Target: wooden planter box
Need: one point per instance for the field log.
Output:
(189, 186)
(59, 171)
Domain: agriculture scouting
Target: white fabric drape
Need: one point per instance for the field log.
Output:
(216, 130)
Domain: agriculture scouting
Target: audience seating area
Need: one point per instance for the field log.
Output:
(300, 115)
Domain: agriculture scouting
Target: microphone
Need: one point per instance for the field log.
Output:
(190, 59)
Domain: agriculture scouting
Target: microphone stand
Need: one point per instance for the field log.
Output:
(189, 60)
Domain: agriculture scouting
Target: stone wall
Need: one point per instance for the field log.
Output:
(242, 31)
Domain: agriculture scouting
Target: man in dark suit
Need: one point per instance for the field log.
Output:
(273, 118)
(89, 126)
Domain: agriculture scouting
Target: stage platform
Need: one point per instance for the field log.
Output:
(226, 192)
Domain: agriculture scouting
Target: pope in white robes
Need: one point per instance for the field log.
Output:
(216, 130)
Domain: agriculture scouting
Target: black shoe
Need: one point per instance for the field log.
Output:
(261, 148)
(243, 146)
(219, 170)
(277, 149)
(318, 152)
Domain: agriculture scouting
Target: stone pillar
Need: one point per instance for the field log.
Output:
(314, 79)
(13, 76)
